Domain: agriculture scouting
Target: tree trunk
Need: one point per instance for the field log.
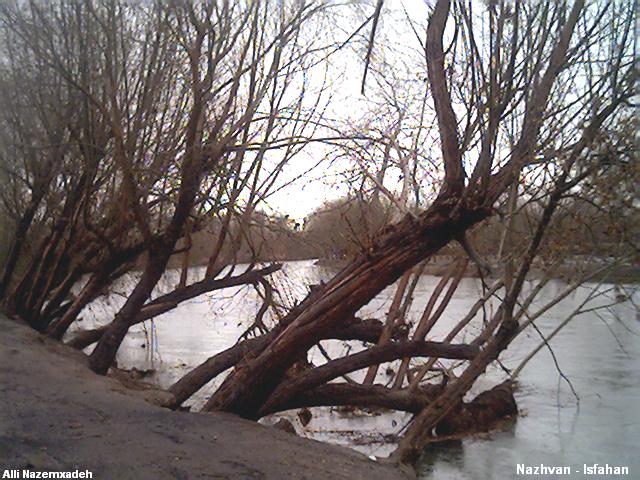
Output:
(160, 248)
(105, 352)
(90, 291)
(114, 265)
(421, 429)
(355, 329)
(364, 396)
(481, 414)
(399, 248)
(33, 293)
(18, 241)
(375, 355)
(41, 315)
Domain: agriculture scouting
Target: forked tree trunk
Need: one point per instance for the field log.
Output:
(421, 429)
(160, 251)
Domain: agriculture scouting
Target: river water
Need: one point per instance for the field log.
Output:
(599, 352)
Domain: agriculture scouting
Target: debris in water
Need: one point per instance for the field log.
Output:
(305, 416)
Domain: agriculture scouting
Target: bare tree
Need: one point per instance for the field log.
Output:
(505, 127)
(461, 203)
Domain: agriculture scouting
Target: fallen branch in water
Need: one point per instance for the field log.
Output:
(165, 303)
(357, 361)
(364, 330)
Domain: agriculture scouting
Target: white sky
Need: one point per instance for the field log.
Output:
(395, 46)
(322, 184)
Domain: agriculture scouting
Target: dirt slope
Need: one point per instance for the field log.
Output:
(57, 415)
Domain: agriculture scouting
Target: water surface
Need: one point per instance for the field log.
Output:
(599, 352)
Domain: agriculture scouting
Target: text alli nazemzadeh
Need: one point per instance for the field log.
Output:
(17, 473)
(587, 469)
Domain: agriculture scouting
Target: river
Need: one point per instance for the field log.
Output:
(599, 352)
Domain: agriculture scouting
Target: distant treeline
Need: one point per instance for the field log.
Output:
(342, 228)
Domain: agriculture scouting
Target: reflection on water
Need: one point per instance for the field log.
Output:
(599, 352)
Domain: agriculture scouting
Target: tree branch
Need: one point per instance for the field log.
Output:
(364, 330)
(171, 300)
(447, 124)
(357, 361)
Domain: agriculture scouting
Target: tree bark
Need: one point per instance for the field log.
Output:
(420, 431)
(401, 247)
(482, 413)
(447, 123)
(18, 241)
(160, 249)
(111, 267)
(365, 396)
(105, 352)
(357, 361)
(356, 329)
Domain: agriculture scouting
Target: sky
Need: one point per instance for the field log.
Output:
(324, 183)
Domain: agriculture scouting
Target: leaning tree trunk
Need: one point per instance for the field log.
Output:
(43, 314)
(109, 267)
(160, 251)
(105, 352)
(352, 329)
(421, 429)
(18, 242)
(401, 247)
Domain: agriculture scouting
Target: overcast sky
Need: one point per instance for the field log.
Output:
(324, 183)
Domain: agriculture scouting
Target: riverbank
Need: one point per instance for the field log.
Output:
(55, 414)
(440, 264)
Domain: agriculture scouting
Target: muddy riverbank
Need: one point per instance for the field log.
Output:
(57, 415)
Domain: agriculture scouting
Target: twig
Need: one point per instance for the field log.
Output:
(376, 17)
